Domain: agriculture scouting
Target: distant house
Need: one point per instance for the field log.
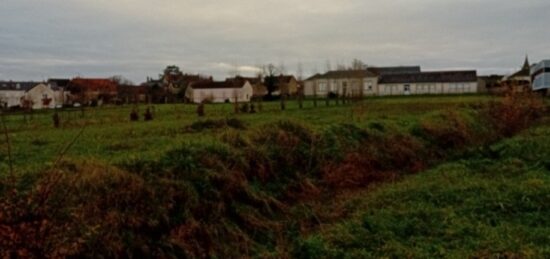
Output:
(338, 82)
(259, 90)
(41, 96)
(519, 80)
(490, 84)
(132, 93)
(285, 84)
(58, 86)
(437, 82)
(219, 92)
(12, 93)
(88, 91)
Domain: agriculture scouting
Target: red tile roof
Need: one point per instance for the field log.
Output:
(89, 84)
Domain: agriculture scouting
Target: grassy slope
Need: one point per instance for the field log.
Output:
(493, 202)
(110, 137)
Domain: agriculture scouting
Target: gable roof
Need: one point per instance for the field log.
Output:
(92, 84)
(394, 70)
(251, 80)
(313, 77)
(431, 77)
(17, 86)
(338, 74)
(59, 82)
(348, 74)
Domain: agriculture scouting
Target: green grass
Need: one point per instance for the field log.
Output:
(494, 202)
(277, 183)
(110, 136)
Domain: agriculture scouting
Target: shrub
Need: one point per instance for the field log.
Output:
(244, 108)
(340, 139)
(448, 130)
(287, 145)
(515, 112)
(201, 125)
(93, 210)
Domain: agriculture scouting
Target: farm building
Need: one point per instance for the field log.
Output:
(219, 92)
(540, 74)
(340, 81)
(12, 94)
(259, 90)
(89, 91)
(41, 96)
(438, 82)
(353, 82)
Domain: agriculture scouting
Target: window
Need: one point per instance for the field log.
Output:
(322, 87)
(367, 86)
(407, 88)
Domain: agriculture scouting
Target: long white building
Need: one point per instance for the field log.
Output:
(391, 81)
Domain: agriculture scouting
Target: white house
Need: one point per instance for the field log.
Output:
(42, 96)
(10, 98)
(12, 93)
(219, 92)
(351, 82)
(362, 82)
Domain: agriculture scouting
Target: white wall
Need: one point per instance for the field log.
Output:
(37, 95)
(220, 95)
(11, 97)
(429, 88)
(367, 85)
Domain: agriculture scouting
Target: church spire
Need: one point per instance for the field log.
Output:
(526, 64)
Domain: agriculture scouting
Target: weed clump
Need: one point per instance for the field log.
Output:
(209, 124)
(448, 130)
(286, 147)
(515, 112)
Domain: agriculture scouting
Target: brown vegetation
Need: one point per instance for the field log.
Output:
(227, 199)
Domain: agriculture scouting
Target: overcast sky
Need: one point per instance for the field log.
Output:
(138, 38)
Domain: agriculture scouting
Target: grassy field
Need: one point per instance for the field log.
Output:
(422, 176)
(493, 203)
(110, 136)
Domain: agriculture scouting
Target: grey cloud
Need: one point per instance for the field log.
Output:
(137, 38)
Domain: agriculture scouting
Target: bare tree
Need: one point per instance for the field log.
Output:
(357, 64)
(300, 72)
(340, 66)
(344, 94)
(301, 97)
(334, 82)
(236, 101)
(328, 65)
(315, 95)
(120, 80)
(271, 78)
(283, 91)
(282, 68)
